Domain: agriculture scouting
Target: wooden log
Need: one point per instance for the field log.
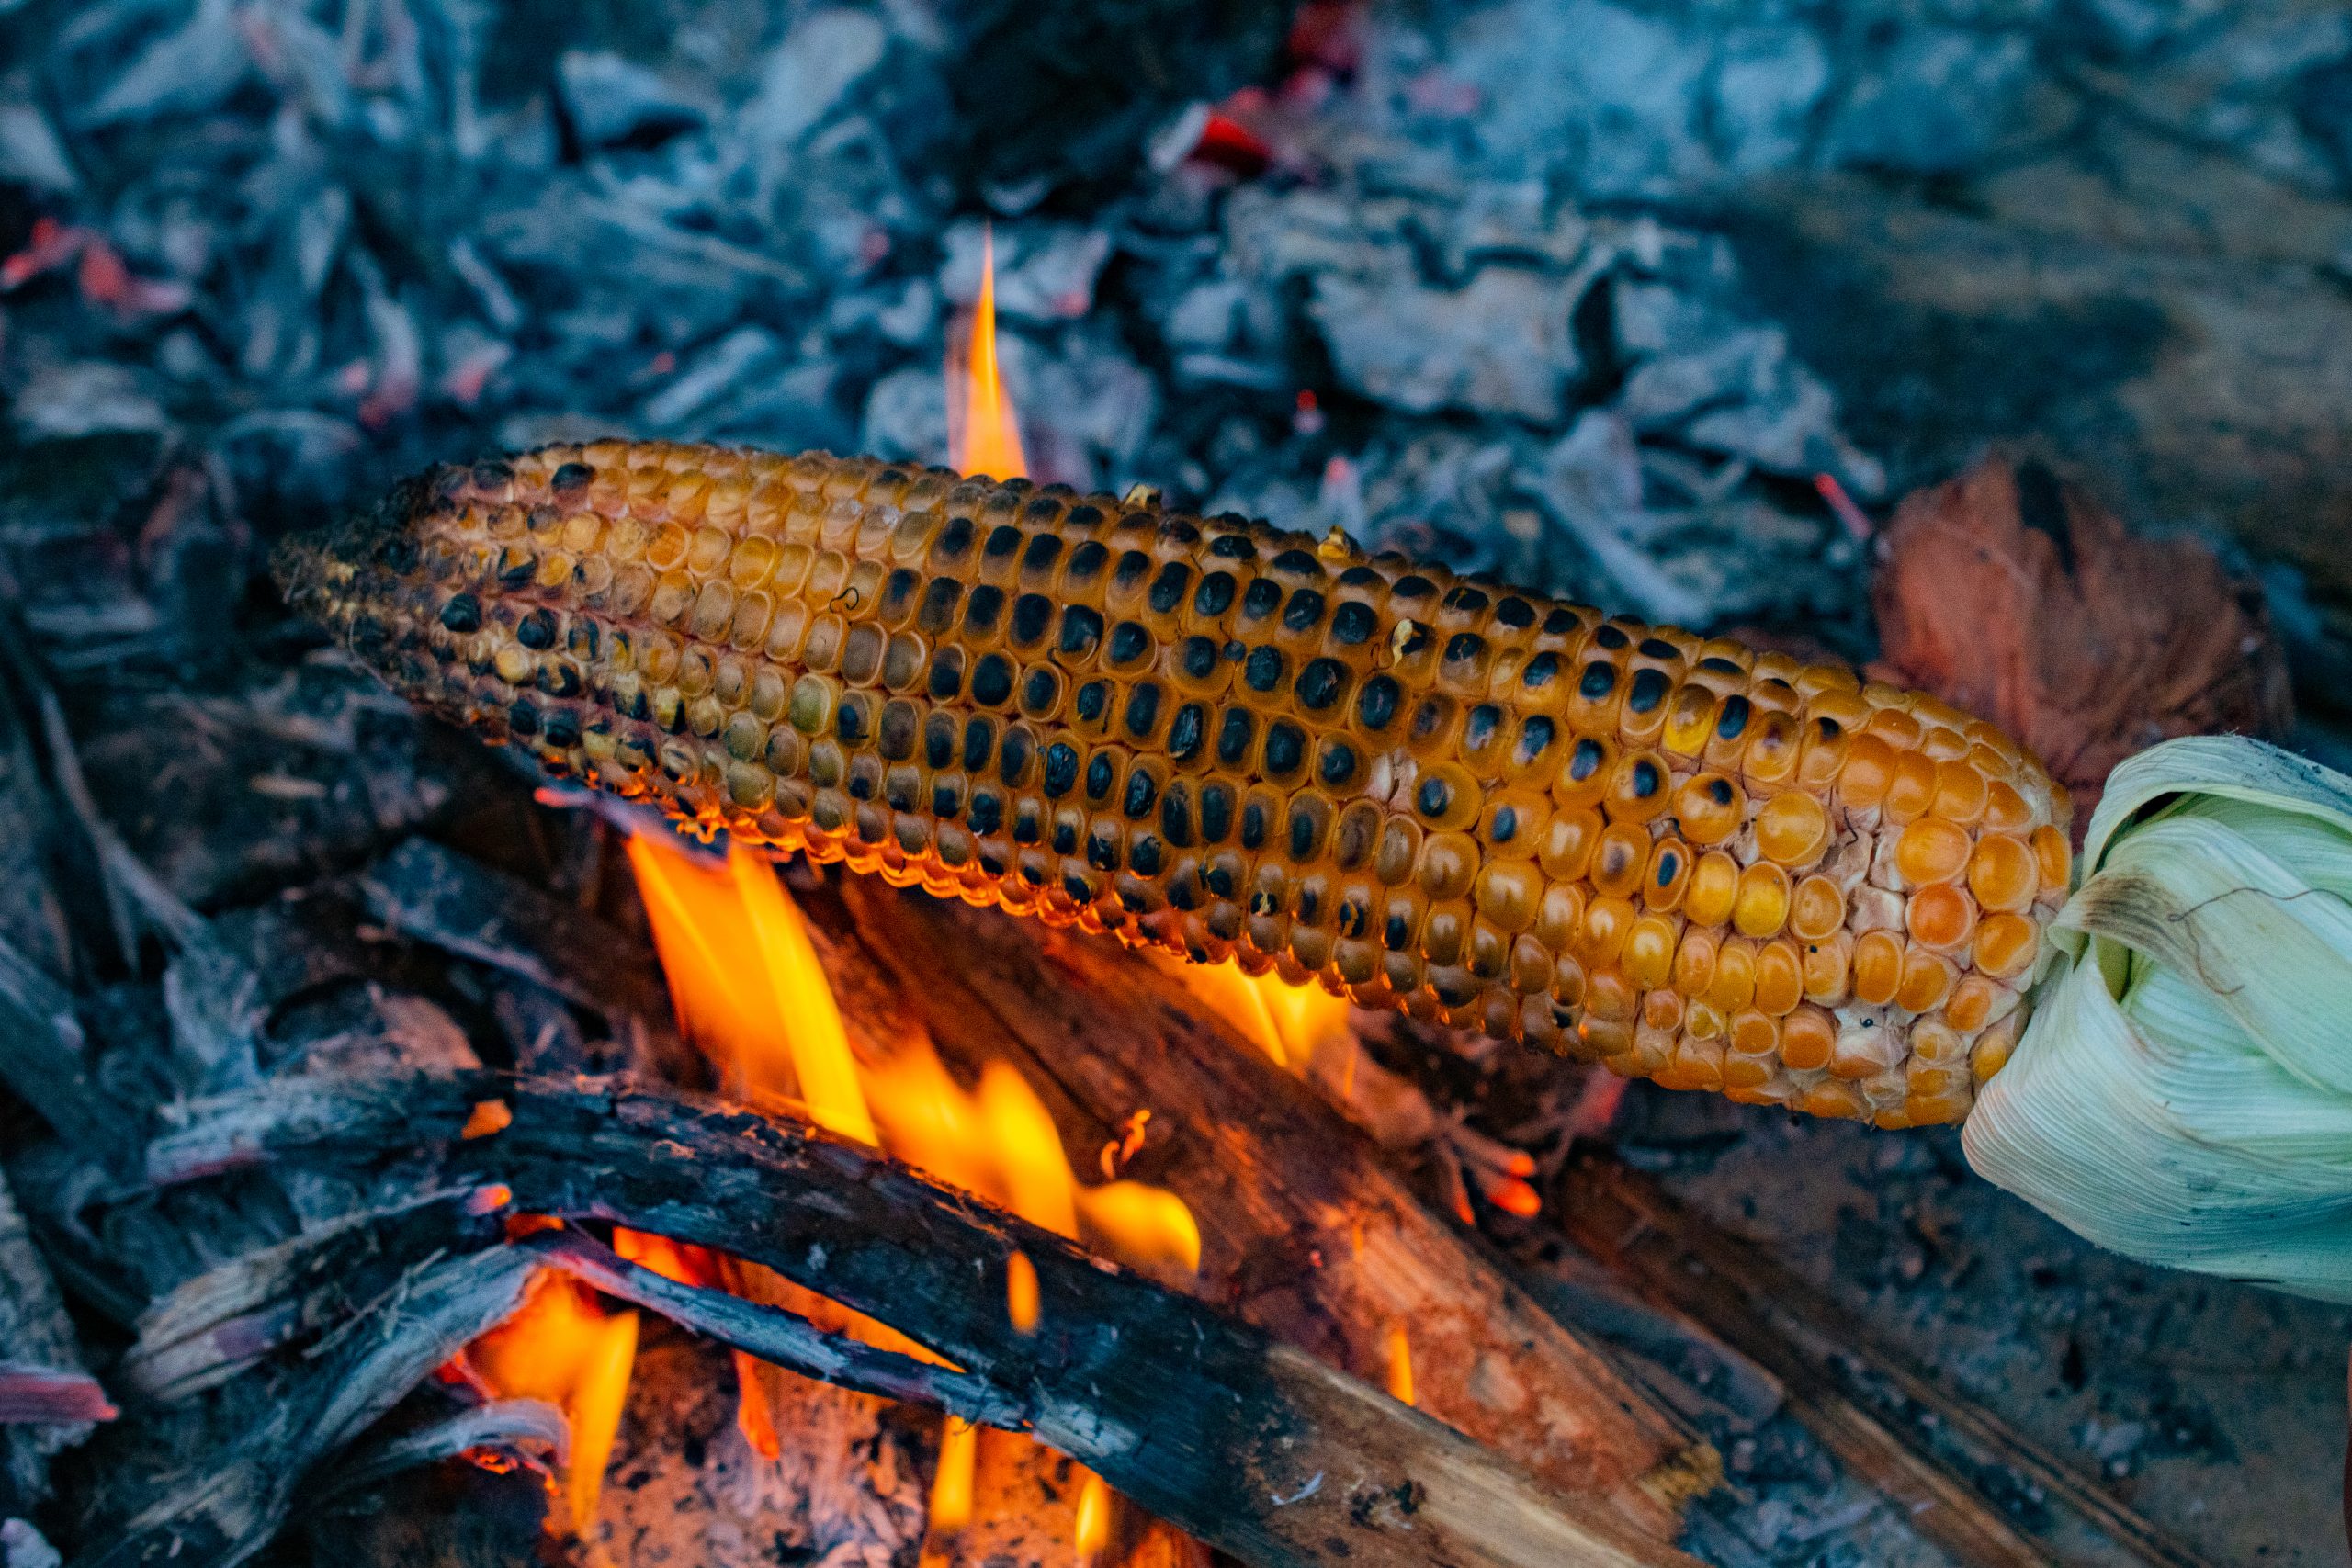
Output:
(1305, 1232)
(1253, 1445)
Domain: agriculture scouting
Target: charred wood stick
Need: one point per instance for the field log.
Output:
(434, 896)
(1305, 1231)
(42, 1058)
(47, 1400)
(516, 1425)
(1252, 1446)
(207, 1494)
(1741, 1296)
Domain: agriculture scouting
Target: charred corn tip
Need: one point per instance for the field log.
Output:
(1704, 866)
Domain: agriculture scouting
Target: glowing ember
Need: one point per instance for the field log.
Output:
(565, 1348)
(983, 435)
(1021, 1292)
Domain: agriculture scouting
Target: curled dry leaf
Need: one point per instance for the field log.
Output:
(2016, 597)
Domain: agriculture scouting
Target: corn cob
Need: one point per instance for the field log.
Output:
(1711, 867)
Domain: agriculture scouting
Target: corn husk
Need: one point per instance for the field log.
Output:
(2184, 1092)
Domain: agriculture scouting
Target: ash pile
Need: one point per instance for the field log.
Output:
(1654, 304)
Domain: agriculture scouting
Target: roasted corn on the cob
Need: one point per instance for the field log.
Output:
(1711, 867)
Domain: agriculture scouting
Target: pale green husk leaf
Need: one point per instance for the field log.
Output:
(2183, 1092)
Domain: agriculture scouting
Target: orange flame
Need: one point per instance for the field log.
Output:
(983, 434)
(1400, 1365)
(1093, 1531)
(1290, 1024)
(562, 1346)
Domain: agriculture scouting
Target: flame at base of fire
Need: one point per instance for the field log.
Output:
(563, 1347)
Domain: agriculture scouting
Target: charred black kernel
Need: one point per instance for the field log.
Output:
(1081, 628)
(1648, 689)
(985, 815)
(1086, 561)
(861, 783)
(1304, 831)
(1143, 855)
(895, 736)
(1396, 933)
(1012, 758)
(1464, 597)
(1559, 622)
(953, 545)
(1648, 778)
(1506, 823)
(1351, 920)
(462, 613)
(1077, 887)
(518, 572)
(536, 631)
(1461, 649)
(1453, 988)
(1132, 565)
(1827, 729)
(1412, 585)
(1719, 790)
(1285, 749)
(1219, 881)
(581, 639)
(1655, 647)
(1611, 637)
(558, 678)
(1376, 702)
(563, 729)
(1028, 826)
(1264, 596)
(1297, 563)
(1040, 689)
(1540, 671)
(1130, 642)
(901, 791)
(1187, 730)
(1093, 700)
(1479, 731)
(1002, 540)
(1168, 587)
(1184, 894)
(1255, 824)
(1585, 758)
(492, 472)
(1101, 776)
(1598, 680)
(1196, 657)
(1176, 815)
(1669, 865)
(937, 612)
(1143, 708)
(1143, 793)
(1032, 614)
(1734, 718)
(1536, 734)
(570, 476)
(992, 680)
(523, 720)
(1433, 796)
(1102, 846)
(1337, 767)
(1177, 528)
(1715, 663)
(1415, 639)
(851, 721)
(1235, 650)
(1353, 623)
(1233, 546)
(943, 800)
(899, 596)
(1263, 670)
(1216, 812)
(1061, 769)
(397, 553)
(939, 740)
(1039, 558)
(980, 742)
(1515, 612)
(1305, 610)
(1234, 734)
(1214, 596)
(946, 676)
(1319, 685)
(983, 610)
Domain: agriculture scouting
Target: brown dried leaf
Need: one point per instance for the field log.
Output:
(2018, 597)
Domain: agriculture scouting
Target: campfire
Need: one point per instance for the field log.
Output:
(1119, 972)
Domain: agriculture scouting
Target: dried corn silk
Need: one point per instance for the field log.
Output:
(1704, 866)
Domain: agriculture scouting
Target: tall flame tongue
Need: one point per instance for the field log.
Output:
(983, 435)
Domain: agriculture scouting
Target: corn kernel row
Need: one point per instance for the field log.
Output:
(1711, 867)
